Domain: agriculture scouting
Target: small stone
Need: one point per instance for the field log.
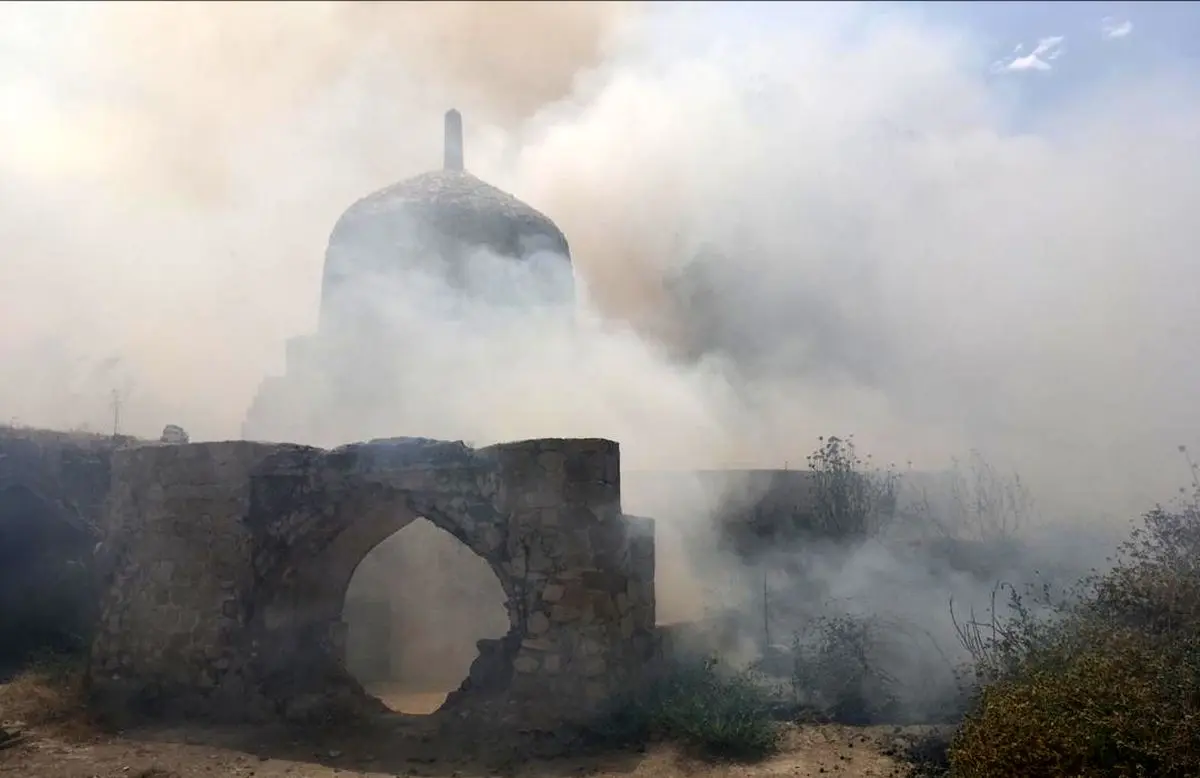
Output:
(563, 614)
(538, 623)
(173, 434)
(525, 664)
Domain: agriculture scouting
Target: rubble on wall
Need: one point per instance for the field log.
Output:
(174, 434)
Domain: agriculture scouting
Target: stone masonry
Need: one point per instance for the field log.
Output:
(224, 569)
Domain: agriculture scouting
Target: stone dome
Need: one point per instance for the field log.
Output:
(435, 218)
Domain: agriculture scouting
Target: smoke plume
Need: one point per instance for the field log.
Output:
(786, 220)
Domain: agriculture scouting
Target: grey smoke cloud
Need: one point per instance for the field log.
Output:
(881, 252)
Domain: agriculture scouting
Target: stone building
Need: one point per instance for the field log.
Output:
(222, 570)
(443, 233)
(446, 233)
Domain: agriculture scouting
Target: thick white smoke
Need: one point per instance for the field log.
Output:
(789, 220)
(883, 251)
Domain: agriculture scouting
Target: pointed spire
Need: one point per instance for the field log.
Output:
(454, 141)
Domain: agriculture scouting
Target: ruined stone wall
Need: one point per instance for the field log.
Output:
(586, 606)
(229, 563)
(177, 577)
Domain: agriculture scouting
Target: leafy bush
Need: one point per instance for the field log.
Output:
(710, 709)
(851, 499)
(837, 671)
(927, 753)
(1111, 685)
(48, 691)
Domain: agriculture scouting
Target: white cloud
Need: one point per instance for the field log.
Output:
(1047, 50)
(1111, 29)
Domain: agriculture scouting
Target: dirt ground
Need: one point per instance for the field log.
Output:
(403, 745)
(403, 698)
(810, 751)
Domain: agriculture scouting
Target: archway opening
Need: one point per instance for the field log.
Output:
(416, 609)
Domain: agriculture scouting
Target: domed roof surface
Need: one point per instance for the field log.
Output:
(459, 204)
(441, 216)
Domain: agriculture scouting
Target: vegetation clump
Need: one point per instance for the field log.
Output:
(837, 671)
(851, 498)
(49, 692)
(710, 709)
(1109, 683)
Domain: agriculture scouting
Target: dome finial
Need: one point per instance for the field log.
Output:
(454, 141)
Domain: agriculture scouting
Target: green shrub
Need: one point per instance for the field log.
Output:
(712, 710)
(851, 498)
(1123, 707)
(1111, 687)
(837, 671)
(926, 753)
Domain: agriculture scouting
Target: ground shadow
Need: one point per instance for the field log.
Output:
(443, 743)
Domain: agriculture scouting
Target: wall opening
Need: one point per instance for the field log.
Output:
(416, 608)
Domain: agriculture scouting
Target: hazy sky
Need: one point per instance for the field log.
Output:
(936, 225)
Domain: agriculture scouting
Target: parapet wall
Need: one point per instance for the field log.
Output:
(226, 567)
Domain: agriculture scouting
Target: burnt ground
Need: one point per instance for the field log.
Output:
(64, 745)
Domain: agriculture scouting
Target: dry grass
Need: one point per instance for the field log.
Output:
(48, 695)
(58, 437)
(1108, 687)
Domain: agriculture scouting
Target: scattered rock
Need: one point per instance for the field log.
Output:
(174, 434)
(10, 737)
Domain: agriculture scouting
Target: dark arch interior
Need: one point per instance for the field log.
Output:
(415, 609)
(46, 602)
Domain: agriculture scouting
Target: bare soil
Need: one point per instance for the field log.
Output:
(810, 751)
(404, 698)
(57, 742)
